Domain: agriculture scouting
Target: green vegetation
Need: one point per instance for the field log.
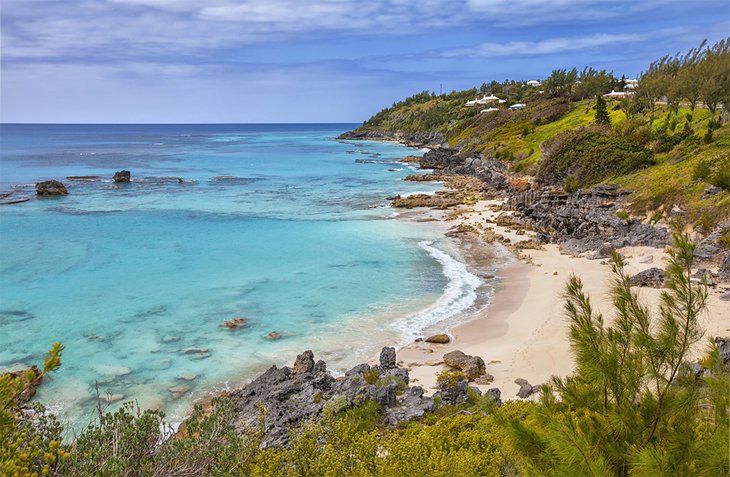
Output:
(633, 407)
(590, 154)
(602, 117)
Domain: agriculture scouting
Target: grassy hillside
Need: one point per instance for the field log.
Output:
(519, 137)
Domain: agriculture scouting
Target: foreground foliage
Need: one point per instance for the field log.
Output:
(634, 405)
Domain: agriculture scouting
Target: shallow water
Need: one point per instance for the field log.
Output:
(281, 224)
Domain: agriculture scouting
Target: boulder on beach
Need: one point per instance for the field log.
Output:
(471, 366)
(122, 176)
(652, 277)
(50, 188)
(439, 338)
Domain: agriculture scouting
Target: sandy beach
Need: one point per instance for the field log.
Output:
(523, 332)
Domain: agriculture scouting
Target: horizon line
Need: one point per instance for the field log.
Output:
(170, 124)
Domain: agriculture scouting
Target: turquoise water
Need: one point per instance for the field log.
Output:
(281, 224)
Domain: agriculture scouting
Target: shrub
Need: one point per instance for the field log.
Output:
(701, 171)
(590, 154)
(622, 214)
(571, 185)
(721, 178)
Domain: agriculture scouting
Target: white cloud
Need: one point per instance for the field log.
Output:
(153, 28)
(547, 46)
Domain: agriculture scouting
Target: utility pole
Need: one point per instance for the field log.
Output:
(441, 89)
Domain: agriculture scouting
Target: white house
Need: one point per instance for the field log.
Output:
(631, 84)
(517, 106)
(534, 83)
(618, 94)
(484, 100)
(488, 110)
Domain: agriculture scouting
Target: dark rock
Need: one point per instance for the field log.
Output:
(651, 277)
(304, 363)
(291, 397)
(387, 357)
(525, 391)
(583, 221)
(471, 366)
(122, 176)
(413, 406)
(723, 346)
(495, 394)
(359, 369)
(440, 338)
(273, 335)
(50, 188)
(453, 391)
(393, 197)
(320, 367)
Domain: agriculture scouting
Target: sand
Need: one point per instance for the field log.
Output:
(523, 332)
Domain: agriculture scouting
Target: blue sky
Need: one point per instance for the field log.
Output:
(311, 60)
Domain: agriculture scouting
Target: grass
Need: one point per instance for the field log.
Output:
(671, 181)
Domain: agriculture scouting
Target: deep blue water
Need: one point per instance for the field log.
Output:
(281, 224)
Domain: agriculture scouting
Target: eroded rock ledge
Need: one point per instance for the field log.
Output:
(293, 395)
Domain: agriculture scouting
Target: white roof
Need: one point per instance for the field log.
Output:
(517, 106)
(489, 110)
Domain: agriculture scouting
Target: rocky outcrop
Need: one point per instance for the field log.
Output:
(651, 277)
(417, 139)
(304, 363)
(454, 391)
(122, 176)
(50, 188)
(584, 220)
(291, 396)
(449, 161)
(471, 366)
(31, 378)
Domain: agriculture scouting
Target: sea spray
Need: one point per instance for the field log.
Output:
(460, 293)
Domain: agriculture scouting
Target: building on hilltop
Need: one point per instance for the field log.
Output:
(618, 94)
(517, 106)
(534, 83)
(485, 100)
(631, 84)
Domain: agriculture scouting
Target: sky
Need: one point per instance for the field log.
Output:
(258, 61)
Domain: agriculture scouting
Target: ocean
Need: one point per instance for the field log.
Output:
(283, 225)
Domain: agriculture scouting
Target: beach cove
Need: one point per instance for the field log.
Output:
(277, 225)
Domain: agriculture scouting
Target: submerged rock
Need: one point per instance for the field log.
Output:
(50, 188)
(235, 323)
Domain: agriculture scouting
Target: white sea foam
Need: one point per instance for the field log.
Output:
(459, 295)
